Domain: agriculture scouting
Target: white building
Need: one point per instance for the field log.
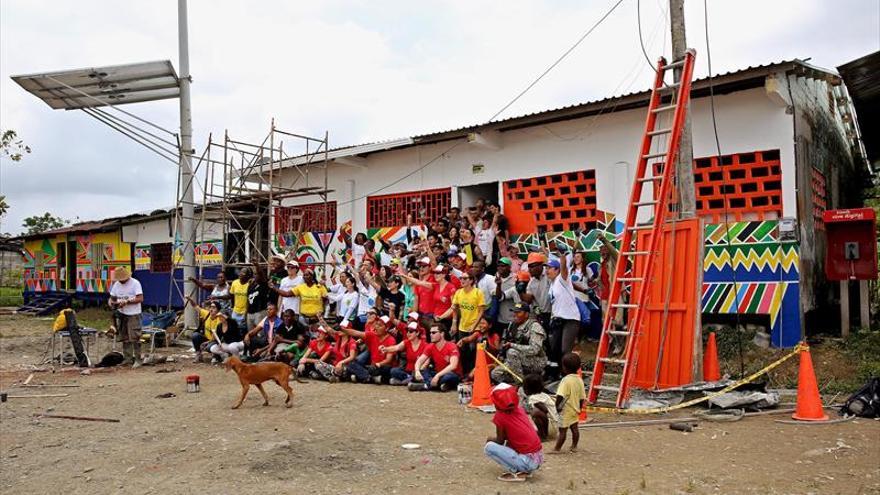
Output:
(789, 151)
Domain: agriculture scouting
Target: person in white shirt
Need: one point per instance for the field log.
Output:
(286, 299)
(484, 282)
(346, 300)
(565, 321)
(126, 296)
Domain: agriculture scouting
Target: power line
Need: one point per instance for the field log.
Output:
(641, 40)
(558, 60)
(499, 112)
(742, 366)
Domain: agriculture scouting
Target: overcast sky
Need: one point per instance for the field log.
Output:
(362, 70)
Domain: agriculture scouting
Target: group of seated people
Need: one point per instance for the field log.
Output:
(411, 313)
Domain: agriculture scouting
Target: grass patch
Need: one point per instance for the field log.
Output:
(11, 296)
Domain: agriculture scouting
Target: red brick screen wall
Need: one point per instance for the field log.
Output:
(745, 182)
(555, 202)
(315, 217)
(390, 210)
(820, 198)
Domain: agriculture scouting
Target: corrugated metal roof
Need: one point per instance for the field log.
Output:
(572, 111)
(862, 77)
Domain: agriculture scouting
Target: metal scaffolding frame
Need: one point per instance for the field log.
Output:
(240, 192)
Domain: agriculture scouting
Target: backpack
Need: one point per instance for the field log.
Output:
(865, 403)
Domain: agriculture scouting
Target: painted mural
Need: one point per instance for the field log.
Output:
(96, 256)
(207, 253)
(747, 269)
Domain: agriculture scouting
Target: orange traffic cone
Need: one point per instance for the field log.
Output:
(711, 372)
(809, 404)
(482, 387)
(582, 417)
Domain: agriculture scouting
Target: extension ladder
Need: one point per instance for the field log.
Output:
(655, 166)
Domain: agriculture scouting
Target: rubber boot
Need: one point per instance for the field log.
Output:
(127, 357)
(136, 347)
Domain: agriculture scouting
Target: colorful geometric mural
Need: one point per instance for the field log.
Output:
(89, 276)
(748, 270)
(207, 253)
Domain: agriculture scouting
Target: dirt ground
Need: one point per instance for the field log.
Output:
(347, 438)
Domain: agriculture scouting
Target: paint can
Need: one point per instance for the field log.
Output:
(192, 383)
(3, 396)
(465, 393)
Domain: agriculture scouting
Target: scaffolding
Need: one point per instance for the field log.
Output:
(243, 185)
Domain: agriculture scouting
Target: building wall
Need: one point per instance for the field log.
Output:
(828, 177)
(93, 268)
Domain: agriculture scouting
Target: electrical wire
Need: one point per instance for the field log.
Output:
(641, 40)
(742, 366)
(496, 114)
(558, 61)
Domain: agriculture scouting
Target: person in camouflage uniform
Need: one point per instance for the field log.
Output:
(524, 346)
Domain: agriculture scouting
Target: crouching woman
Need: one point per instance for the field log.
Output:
(515, 446)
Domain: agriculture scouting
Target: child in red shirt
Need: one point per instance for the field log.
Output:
(515, 446)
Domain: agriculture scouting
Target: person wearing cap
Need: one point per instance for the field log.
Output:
(318, 357)
(277, 269)
(413, 345)
(537, 293)
(376, 337)
(344, 353)
(523, 347)
(443, 356)
(126, 296)
(284, 288)
(516, 446)
(565, 320)
(458, 260)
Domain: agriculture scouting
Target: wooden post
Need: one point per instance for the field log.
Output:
(684, 168)
(864, 305)
(844, 308)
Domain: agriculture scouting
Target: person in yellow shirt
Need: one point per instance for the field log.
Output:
(311, 295)
(211, 319)
(467, 308)
(239, 291)
(570, 398)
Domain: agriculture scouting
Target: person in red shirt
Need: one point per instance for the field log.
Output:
(413, 345)
(379, 369)
(344, 352)
(444, 356)
(318, 357)
(423, 288)
(516, 446)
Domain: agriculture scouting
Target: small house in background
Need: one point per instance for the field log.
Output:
(77, 261)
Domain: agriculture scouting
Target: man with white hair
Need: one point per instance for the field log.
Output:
(126, 296)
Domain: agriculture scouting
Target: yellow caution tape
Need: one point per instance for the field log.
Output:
(659, 410)
(503, 365)
(656, 410)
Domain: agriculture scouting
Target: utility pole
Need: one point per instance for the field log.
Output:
(684, 168)
(190, 317)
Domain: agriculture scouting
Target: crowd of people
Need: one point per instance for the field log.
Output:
(411, 313)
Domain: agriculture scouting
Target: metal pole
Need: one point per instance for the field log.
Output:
(191, 319)
(684, 168)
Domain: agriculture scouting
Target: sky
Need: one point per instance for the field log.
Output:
(360, 70)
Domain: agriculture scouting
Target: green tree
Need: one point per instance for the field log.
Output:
(42, 223)
(13, 147)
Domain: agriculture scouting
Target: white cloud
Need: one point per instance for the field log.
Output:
(364, 70)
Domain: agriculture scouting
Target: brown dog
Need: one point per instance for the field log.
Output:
(256, 374)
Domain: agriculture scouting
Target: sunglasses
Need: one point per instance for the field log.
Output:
(412, 330)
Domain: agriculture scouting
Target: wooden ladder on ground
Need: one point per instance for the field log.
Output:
(655, 166)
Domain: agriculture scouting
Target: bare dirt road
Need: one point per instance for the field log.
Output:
(347, 438)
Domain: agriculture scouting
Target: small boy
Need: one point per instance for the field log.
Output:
(541, 407)
(570, 398)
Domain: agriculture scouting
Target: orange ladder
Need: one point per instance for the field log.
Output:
(655, 166)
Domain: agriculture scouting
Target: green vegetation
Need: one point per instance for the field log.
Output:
(11, 296)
